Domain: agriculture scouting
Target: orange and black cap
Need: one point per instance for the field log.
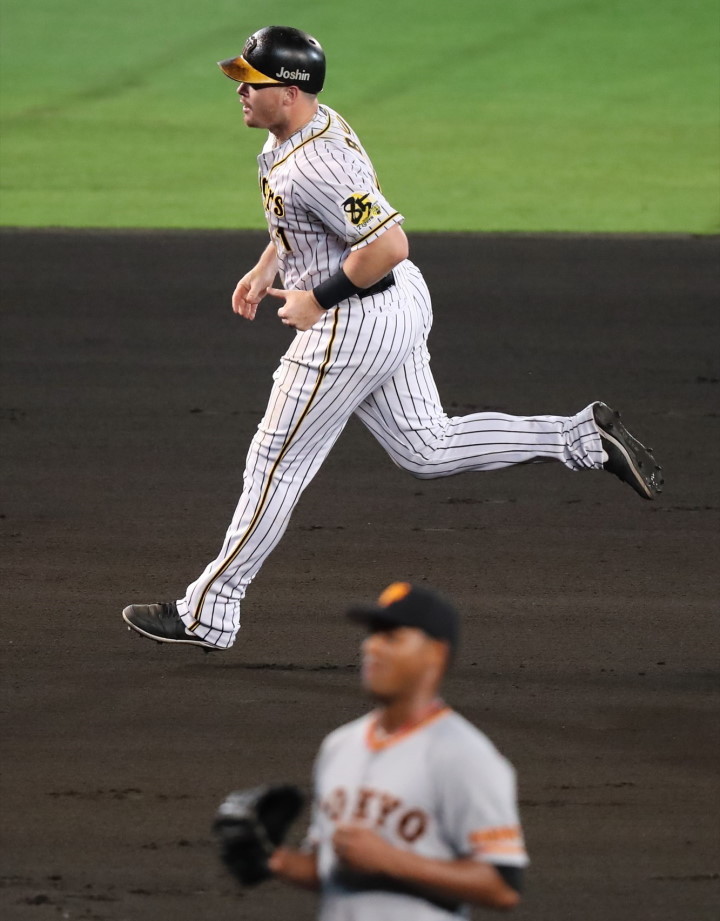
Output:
(279, 56)
(405, 605)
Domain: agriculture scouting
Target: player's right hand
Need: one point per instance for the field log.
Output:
(248, 293)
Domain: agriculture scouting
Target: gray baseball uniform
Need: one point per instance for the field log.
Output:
(440, 790)
(368, 356)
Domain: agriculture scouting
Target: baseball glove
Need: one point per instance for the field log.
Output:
(250, 824)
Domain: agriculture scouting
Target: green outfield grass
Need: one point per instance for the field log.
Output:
(560, 115)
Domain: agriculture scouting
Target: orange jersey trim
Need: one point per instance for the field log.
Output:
(495, 835)
(508, 850)
(502, 840)
(377, 742)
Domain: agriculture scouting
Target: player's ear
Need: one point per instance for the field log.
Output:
(291, 94)
(440, 657)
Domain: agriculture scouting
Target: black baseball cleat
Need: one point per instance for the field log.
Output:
(629, 460)
(162, 623)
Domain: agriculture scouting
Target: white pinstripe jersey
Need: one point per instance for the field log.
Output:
(441, 790)
(321, 198)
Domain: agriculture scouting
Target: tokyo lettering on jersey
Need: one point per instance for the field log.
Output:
(440, 790)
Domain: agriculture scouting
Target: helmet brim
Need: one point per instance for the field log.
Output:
(240, 71)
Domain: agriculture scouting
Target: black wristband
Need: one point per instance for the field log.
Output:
(335, 289)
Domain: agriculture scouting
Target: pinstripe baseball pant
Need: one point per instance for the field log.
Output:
(367, 357)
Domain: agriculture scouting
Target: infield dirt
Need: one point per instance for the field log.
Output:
(590, 617)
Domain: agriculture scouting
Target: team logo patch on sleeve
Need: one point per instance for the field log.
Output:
(359, 208)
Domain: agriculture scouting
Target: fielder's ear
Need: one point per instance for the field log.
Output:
(447, 662)
(441, 655)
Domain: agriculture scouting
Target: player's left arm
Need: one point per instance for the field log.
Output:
(363, 267)
(368, 265)
(467, 880)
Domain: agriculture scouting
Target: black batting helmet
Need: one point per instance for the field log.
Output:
(279, 56)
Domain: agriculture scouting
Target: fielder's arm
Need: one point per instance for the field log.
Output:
(295, 867)
(467, 880)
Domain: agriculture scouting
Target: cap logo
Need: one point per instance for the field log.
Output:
(284, 74)
(250, 45)
(395, 592)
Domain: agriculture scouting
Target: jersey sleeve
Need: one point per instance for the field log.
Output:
(339, 189)
(479, 812)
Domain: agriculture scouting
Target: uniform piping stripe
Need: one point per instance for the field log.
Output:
(375, 744)
(263, 499)
(375, 229)
(313, 137)
(498, 849)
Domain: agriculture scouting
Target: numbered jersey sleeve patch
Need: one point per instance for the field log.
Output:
(359, 208)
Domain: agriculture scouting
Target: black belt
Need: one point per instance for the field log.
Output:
(387, 282)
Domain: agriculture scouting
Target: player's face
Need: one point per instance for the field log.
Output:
(263, 106)
(397, 662)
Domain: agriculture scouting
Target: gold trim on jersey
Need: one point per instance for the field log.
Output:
(266, 491)
(313, 137)
(375, 228)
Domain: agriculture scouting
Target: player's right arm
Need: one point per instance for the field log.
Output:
(295, 867)
(364, 850)
(253, 287)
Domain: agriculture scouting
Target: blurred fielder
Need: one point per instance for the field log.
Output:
(415, 812)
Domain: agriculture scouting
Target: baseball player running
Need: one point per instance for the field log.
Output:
(362, 315)
(415, 812)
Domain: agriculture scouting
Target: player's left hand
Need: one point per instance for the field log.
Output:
(300, 311)
(362, 849)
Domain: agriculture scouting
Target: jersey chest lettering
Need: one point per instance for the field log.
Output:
(271, 201)
(375, 809)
